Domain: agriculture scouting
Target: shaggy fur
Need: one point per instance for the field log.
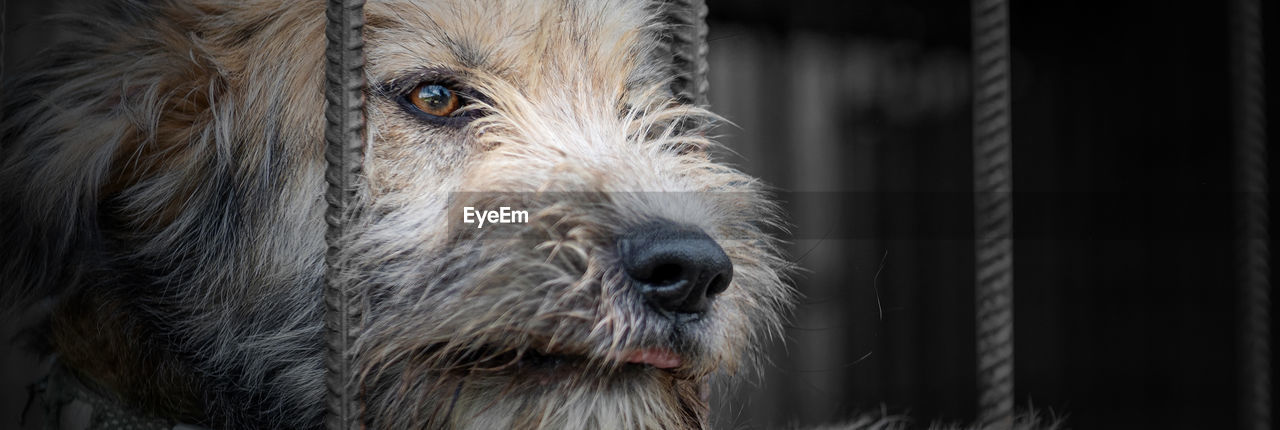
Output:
(163, 183)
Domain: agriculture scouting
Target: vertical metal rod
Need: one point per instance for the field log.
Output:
(344, 152)
(1249, 126)
(688, 19)
(993, 217)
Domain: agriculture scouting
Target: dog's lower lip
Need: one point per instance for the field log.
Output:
(656, 357)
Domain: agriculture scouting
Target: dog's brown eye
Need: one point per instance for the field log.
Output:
(434, 99)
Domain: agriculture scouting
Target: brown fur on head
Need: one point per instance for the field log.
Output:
(168, 161)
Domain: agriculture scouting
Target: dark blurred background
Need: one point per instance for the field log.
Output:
(858, 113)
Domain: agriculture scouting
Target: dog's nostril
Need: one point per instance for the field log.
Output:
(677, 268)
(666, 274)
(719, 284)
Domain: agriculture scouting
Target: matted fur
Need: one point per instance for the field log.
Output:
(163, 180)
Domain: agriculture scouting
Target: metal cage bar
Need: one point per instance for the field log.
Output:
(1249, 126)
(993, 216)
(688, 39)
(344, 152)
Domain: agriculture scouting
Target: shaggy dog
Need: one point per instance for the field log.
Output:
(163, 189)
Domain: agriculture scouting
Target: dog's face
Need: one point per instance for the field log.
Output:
(182, 141)
(563, 110)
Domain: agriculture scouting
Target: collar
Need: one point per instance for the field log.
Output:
(69, 404)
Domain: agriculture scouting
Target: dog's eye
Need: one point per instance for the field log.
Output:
(434, 99)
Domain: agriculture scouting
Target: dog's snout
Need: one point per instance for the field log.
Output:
(677, 268)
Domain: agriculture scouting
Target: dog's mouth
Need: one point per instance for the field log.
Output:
(505, 360)
(661, 358)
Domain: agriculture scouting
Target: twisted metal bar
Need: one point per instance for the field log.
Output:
(688, 21)
(344, 152)
(993, 181)
(1251, 206)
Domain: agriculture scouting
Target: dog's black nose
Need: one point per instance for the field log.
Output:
(678, 268)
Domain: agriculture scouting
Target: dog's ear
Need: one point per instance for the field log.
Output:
(63, 125)
(142, 117)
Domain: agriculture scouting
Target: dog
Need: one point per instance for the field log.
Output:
(163, 180)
